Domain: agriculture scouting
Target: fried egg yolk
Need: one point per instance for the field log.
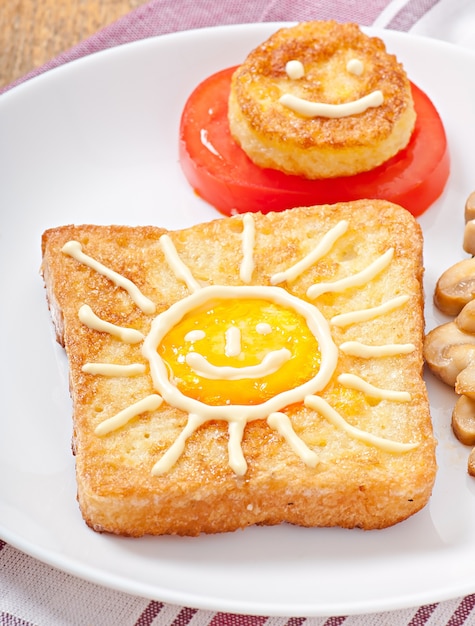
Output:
(240, 334)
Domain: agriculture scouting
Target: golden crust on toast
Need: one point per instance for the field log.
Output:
(277, 137)
(353, 482)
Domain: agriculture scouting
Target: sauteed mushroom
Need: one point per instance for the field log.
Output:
(469, 237)
(470, 207)
(469, 232)
(471, 463)
(456, 287)
(465, 381)
(448, 350)
(463, 421)
(465, 320)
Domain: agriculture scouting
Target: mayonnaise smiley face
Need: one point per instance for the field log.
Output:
(234, 352)
(321, 100)
(238, 354)
(295, 70)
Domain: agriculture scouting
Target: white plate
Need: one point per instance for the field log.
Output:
(96, 141)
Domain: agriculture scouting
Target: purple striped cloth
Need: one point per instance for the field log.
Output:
(33, 593)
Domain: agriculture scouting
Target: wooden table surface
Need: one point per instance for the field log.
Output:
(35, 31)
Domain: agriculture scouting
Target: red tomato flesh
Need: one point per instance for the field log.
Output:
(222, 174)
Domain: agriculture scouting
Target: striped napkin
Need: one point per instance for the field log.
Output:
(33, 593)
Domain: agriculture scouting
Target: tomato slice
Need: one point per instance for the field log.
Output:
(222, 174)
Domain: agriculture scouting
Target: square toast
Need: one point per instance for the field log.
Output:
(255, 369)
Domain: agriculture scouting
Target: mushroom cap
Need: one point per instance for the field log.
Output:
(465, 320)
(470, 207)
(456, 287)
(465, 381)
(463, 420)
(448, 350)
(469, 237)
(471, 463)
